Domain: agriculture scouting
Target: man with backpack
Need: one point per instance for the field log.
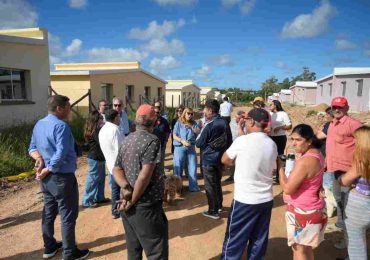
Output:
(214, 139)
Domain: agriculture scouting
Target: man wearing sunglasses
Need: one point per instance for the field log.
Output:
(124, 126)
(340, 146)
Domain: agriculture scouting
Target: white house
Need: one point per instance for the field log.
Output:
(353, 83)
(182, 92)
(303, 93)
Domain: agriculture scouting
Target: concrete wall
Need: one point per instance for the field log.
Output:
(173, 98)
(356, 103)
(303, 96)
(35, 59)
(120, 81)
(73, 86)
(191, 96)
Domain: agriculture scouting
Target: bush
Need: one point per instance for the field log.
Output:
(77, 124)
(311, 113)
(14, 144)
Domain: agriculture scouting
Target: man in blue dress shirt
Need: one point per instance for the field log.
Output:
(52, 146)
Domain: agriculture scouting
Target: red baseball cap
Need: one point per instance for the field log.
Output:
(339, 102)
(146, 110)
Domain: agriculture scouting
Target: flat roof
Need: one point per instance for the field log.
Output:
(304, 84)
(351, 71)
(101, 71)
(32, 36)
(98, 66)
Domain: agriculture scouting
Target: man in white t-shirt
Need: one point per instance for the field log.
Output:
(110, 139)
(225, 110)
(255, 156)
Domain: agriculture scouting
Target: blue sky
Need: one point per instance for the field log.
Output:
(221, 43)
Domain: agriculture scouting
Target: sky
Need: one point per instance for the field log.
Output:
(218, 43)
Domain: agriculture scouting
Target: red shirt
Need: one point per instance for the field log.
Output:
(340, 143)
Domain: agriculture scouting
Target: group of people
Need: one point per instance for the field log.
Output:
(134, 157)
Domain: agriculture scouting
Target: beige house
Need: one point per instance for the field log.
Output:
(303, 93)
(126, 80)
(206, 93)
(182, 92)
(24, 75)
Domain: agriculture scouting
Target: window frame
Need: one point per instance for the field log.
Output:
(25, 86)
(360, 87)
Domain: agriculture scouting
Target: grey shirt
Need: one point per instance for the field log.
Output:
(137, 149)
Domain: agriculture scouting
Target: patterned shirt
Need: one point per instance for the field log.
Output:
(140, 148)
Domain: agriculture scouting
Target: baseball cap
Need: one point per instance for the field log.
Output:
(259, 115)
(258, 99)
(339, 102)
(146, 110)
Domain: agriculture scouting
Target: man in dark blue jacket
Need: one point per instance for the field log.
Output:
(214, 129)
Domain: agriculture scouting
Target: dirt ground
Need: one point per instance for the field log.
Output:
(191, 236)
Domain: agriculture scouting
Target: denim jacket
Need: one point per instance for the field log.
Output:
(184, 132)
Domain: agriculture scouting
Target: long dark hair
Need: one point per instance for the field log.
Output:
(307, 133)
(278, 105)
(91, 124)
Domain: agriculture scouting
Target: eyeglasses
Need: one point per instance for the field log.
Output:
(190, 114)
(117, 105)
(336, 108)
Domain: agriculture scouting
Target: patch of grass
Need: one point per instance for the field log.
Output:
(14, 144)
(311, 113)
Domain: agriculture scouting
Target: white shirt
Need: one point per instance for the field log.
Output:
(124, 126)
(279, 118)
(226, 108)
(110, 139)
(255, 157)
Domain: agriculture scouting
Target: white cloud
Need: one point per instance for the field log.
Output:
(15, 14)
(176, 2)
(161, 65)
(245, 6)
(156, 30)
(120, 54)
(344, 44)
(74, 48)
(202, 72)
(310, 25)
(223, 60)
(281, 65)
(164, 47)
(77, 4)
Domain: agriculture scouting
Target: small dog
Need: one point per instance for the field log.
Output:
(172, 186)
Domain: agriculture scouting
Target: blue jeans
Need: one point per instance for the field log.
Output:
(328, 180)
(116, 189)
(182, 154)
(95, 182)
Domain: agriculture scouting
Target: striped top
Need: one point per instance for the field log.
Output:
(363, 186)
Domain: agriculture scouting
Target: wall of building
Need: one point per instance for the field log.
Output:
(72, 86)
(303, 96)
(191, 96)
(120, 81)
(356, 103)
(173, 98)
(35, 59)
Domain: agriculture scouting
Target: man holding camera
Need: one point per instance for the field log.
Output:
(254, 156)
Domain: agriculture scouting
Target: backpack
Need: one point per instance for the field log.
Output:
(220, 143)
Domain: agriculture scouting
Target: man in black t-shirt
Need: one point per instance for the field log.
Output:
(139, 173)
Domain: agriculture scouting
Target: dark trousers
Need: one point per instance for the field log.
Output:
(60, 195)
(280, 142)
(227, 119)
(146, 227)
(247, 223)
(212, 183)
(115, 194)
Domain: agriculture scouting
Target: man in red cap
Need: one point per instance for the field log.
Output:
(138, 172)
(340, 146)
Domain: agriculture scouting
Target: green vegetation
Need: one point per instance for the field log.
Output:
(311, 113)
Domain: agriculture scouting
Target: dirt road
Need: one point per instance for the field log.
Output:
(192, 236)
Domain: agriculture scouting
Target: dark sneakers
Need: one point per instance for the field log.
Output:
(49, 253)
(78, 255)
(209, 215)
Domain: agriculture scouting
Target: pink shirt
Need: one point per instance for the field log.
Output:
(306, 196)
(340, 143)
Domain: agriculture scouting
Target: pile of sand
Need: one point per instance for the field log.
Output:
(320, 107)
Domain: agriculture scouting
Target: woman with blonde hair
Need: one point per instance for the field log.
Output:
(357, 210)
(185, 132)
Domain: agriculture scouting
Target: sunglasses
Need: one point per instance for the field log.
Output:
(337, 108)
(190, 114)
(117, 105)
(157, 112)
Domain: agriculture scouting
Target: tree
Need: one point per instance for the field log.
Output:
(306, 75)
(285, 84)
(270, 86)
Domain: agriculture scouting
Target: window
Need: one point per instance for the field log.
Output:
(13, 85)
(360, 84)
(147, 92)
(344, 86)
(130, 93)
(330, 89)
(107, 91)
(321, 89)
(159, 93)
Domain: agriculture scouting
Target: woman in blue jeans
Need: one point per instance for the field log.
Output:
(184, 135)
(95, 181)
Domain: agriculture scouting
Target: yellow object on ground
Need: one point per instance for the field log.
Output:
(20, 176)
